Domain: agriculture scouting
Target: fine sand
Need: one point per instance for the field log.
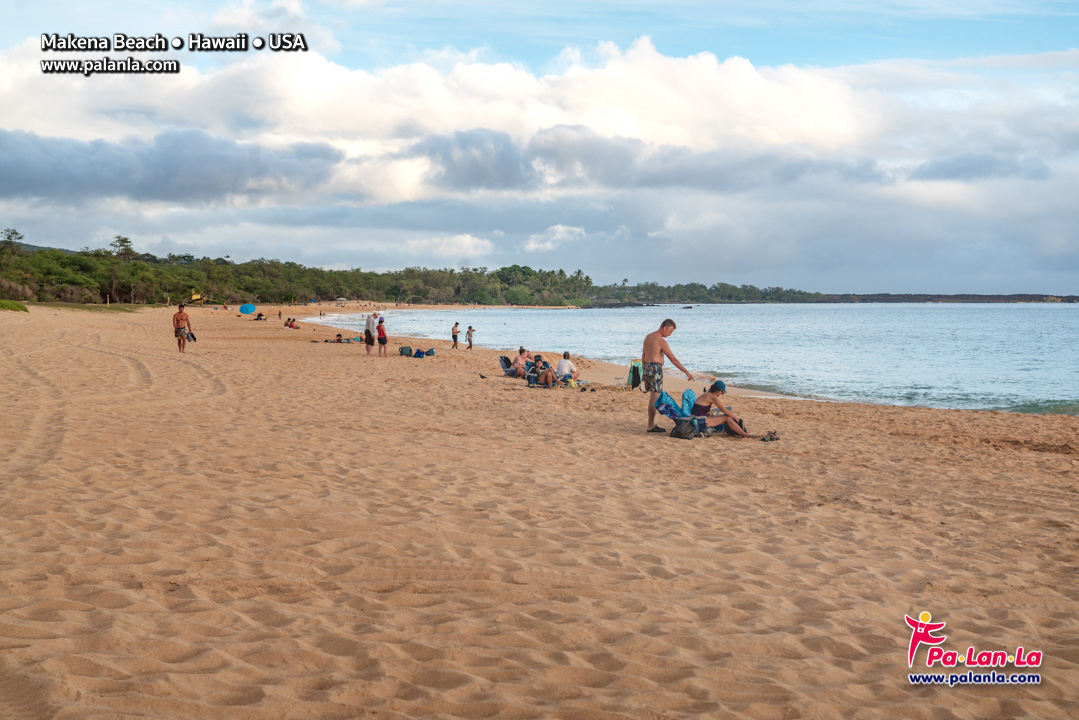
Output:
(267, 527)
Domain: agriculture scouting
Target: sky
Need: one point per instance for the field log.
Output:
(824, 145)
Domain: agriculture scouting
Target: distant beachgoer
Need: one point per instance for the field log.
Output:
(655, 349)
(288, 322)
(566, 368)
(278, 314)
(468, 336)
(725, 420)
(181, 325)
(382, 339)
(369, 331)
(453, 332)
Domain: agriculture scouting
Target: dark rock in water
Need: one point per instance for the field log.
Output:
(602, 304)
(688, 307)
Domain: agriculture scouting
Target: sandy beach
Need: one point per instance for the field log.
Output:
(268, 527)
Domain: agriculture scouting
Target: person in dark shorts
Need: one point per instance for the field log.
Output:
(655, 350)
(382, 339)
(453, 332)
(369, 331)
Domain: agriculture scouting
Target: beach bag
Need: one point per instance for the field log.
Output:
(405, 350)
(665, 404)
(430, 352)
(634, 376)
(684, 429)
(418, 353)
(688, 399)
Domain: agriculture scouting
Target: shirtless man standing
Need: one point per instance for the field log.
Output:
(655, 348)
(181, 325)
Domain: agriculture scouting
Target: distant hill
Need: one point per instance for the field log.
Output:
(34, 248)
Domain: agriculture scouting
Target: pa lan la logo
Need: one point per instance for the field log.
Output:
(922, 631)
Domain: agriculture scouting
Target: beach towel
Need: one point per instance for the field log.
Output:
(688, 399)
(667, 406)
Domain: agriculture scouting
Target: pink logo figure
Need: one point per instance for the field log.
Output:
(923, 633)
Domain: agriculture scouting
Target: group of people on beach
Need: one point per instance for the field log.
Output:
(539, 372)
(708, 406)
(468, 335)
(375, 329)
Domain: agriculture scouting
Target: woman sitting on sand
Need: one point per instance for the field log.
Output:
(724, 419)
(520, 363)
(544, 374)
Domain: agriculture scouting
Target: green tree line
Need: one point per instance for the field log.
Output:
(120, 274)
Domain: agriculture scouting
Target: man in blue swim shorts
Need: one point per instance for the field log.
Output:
(655, 350)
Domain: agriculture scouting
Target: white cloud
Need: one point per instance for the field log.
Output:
(553, 237)
(454, 246)
(773, 162)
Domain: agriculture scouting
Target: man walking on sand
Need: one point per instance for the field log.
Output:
(453, 332)
(655, 349)
(181, 325)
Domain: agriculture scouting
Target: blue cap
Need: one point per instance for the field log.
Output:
(718, 386)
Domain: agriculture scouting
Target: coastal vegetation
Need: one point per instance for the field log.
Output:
(119, 274)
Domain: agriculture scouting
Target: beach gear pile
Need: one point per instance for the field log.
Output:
(407, 351)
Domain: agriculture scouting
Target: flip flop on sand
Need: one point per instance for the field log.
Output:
(770, 437)
(657, 429)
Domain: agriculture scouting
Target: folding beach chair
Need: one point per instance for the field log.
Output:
(666, 405)
(507, 366)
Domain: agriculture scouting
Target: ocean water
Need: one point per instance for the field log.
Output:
(1021, 358)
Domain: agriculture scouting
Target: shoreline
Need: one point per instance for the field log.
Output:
(600, 371)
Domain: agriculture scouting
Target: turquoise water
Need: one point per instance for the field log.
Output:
(1021, 358)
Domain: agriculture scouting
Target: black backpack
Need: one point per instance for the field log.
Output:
(684, 429)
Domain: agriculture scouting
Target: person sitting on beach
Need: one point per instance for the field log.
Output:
(724, 419)
(545, 376)
(288, 322)
(340, 339)
(566, 369)
(520, 362)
